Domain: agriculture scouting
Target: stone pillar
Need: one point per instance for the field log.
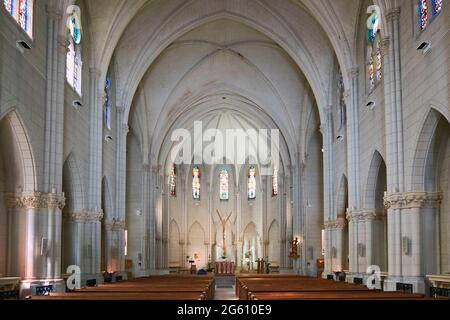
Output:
(353, 140)
(121, 172)
(413, 243)
(85, 228)
(115, 244)
(334, 257)
(54, 116)
(35, 224)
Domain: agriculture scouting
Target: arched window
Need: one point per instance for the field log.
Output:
(74, 64)
(107, 104)
(374, 54)
(275, 182)
(437, 6)
(22, 12)
(223, 180)
(251, 183)
(173, 180)
(423, 14)
(341, 101)
(196, 183)
(423, 11)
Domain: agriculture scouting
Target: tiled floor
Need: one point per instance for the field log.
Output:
(225, 294)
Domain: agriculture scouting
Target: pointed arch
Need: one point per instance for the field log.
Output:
(174, 244)
(425, 153)
(274, 249)
(24, 150)
(107, 203)
(342, 198)
(375, 177)
(73, 184)
(196, 246)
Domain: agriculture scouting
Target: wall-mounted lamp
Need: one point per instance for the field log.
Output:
(424, 47)
(371, 105)
(77, 104)
(22, 45)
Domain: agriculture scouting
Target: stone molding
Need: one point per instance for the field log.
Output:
(85, 216)
(408, 200)
(393, 14)
(114, 225)
(337, 224)
(363, 215)
(36, 200)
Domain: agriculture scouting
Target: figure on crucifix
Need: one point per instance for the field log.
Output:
(225, 238)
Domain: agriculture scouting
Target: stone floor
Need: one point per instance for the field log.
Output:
(225, 294)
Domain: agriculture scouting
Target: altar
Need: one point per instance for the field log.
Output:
(224, 267)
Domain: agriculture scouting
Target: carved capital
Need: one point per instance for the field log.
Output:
(95, 73)
(63, 44)
(36, 200)
(353, 72)
(393, 14)
(362, 215)
(85, 216)
(385, 43)
(337, 224)
(53, 12)
(114, 225)
(408, 200)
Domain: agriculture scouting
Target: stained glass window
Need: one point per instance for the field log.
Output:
(223, 180)
(173, 180)
(74, 66)
(22, 12)
(251, 184)
(378, 61)
(437, 6)
(275, 182)
(9, 6)
(341, 102)
(423, 14)
(374, 54)
(196, 183)
(107, 104)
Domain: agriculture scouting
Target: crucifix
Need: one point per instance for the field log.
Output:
(224, 222)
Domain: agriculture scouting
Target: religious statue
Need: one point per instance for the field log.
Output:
(294, 248)
(224, 222)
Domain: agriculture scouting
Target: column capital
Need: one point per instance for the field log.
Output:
(63, 44)
(115, 224)
(353, 72)
(363, 215)
(36, 200)
(84, 216)
(337, 224)
(53, 12)
(95, 72)
(385, 43)
(120, 109)
(408, 200)
(393, 14)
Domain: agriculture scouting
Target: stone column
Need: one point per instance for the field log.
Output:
(148, 213)
(121, 172)
(115, 245)
(352, 102)
(414, 250)
(85, 227)
(35, 224)
(334, 257)
(326, 128)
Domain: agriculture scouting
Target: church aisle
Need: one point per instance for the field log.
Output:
(225, 294)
